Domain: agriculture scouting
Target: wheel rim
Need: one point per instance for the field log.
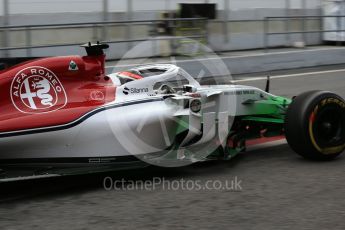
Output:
(329, 126)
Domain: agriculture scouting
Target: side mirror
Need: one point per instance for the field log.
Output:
(189, 88)
(95, 49)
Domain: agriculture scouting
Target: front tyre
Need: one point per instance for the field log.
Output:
(315, 125)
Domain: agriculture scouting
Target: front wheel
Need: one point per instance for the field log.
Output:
(315, 125)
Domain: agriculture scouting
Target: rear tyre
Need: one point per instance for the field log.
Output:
(315, 125)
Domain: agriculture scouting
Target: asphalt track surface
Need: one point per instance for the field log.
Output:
(279, 190)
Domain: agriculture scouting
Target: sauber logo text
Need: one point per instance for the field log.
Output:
(126, 90)
(37, 90)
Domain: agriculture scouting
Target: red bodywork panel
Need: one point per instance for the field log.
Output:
(52, 91)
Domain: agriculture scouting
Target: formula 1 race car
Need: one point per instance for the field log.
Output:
(66, 111)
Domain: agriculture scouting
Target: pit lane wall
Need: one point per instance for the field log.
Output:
(242, 34)
(244, 31)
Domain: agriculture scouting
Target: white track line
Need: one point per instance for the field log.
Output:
(226, 57)
(290, 75)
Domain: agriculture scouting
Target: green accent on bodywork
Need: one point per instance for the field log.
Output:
(274, 106)
(264, 119)
(278, 101)
(281, 100)
(183, 124)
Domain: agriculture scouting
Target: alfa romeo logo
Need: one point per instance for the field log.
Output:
(37, 90)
